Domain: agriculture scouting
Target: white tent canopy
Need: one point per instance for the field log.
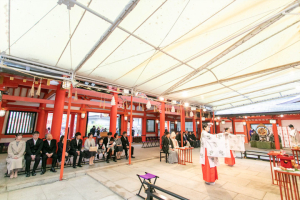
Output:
(205, 52)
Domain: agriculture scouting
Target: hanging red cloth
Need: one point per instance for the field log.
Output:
(231, 160)
(209, 174)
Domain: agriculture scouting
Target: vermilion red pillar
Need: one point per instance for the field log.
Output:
(78, 122)
(162, 121)
(58, 112)
(214, 129)
(194, 124)
(144, 126)
(211, 128)
(200, 123)
(276, 138)
(113, 115)
(218, 128)
(182, 121)
(130, 135)
(82, 123)
(41, 126)
(72, 123)
(168, 126)
(1, 119)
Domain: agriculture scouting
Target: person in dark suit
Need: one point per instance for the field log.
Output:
(107, 139)
(190, 139)
(168, 148)
(125, 144)
(162, 138)
(75, 149)
(49, 151)
(33, 152)
(93, 130)
(60, 146)
(178, 138)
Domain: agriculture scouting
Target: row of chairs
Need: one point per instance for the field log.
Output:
(151, 142)
(68, 163)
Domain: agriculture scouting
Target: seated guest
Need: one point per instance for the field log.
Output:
(125, 144)
(162, 138)
(119, 146)
(49, 149)
(15, 158)
(168, 147)
(185, 140)
(111, 150)
(178, 138)
(98, 131)
(101, 148)
(175, 142)
(90, 142)
(34, 148)
(75, 149)
(60, 145)
(107, 139)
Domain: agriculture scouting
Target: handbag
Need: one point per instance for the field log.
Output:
(93, 149)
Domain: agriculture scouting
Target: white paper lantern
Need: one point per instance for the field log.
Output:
(148, 105)
(173, 109)
(191, 114)
(82, 115)
(2, 113)
(203, 118)
(113, 101)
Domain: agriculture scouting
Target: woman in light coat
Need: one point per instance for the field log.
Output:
(118, 146)
(90, 142)
(15, 158)
(175, 142)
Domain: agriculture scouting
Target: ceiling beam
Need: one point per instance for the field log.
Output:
(283, 96)
(273, 69)
(273, 86)
(257, 29)
(128, 8)
(27, 99)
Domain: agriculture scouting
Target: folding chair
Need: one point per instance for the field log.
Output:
(148, 177)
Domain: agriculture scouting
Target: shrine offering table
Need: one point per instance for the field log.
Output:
(274, 162)
(296, 154)
(288, 185)
(185, 155)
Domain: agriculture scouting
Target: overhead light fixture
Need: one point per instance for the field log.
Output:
(175, 121)
(246, 117)
(198, 122)
(204, 109)
(217, 123)
(161, 99)
(186, 104)
(244, 123)
(223, 122)
(125, 117)
(82, 115)
(2, 113)
(272, 121)
(218, 117)
(203, 118)
(157, 121)
(281, 115)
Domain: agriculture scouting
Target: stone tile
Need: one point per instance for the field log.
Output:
(243, 197)
(233, 179)
(187, 192)
(119, 190)
(264, 187)
(112, 175)
(244, 190)
(31, 193)
(130, 184)
(113, 197)
(215, 192)
(4, 196)
(271, 196)
(254, 178)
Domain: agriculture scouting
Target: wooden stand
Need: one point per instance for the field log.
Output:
(185, 155)
(287, 182)
(274, 162)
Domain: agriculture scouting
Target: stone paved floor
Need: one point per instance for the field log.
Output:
(247, 180)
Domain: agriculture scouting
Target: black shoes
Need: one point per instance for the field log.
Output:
(74, 166)
(79, 165)
(33, 173)
(114, 160)
(53, 169)
(28, 174)
(43, 171)
(132, 157)
(107, 161)
(126, 157)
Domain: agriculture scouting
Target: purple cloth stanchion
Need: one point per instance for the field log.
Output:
(148, 177)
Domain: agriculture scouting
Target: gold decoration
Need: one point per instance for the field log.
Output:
(24, 80)
(11, 78)
(48, 82)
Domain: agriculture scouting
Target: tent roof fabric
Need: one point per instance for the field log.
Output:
(205, 52)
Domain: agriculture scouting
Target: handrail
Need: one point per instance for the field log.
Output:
(150, 195)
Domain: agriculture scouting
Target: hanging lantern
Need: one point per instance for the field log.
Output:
(76, 97)
(148, 105)
(191, 114)
(125, 117)
(113, 101)
(173, 109)
(198, 122)
(2, 113)
(175, 121)
(223, 122)
(82, 115)
(203, 118)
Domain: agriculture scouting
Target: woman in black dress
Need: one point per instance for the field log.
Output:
(60, 145)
